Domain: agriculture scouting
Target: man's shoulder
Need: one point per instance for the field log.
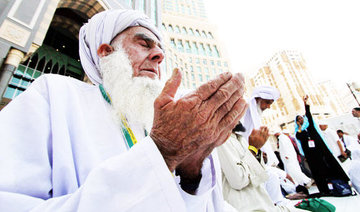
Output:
(55, 80)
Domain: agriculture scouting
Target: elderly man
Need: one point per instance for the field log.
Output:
(261, 99)
(70, 146)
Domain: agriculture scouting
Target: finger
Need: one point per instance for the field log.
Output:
(222, 95)
(208, 89)
(226, 107)
(233, 116)
(169, 90)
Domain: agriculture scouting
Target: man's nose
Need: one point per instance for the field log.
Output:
(157, 55)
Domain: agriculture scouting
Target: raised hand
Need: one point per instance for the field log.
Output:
(198, 122)
(258, 137)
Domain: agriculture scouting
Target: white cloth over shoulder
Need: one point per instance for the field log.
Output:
(102, 28)
(243, 178)
(252, 118)
(289, 158)
(61, 150)
(332, 139)
(354, 170)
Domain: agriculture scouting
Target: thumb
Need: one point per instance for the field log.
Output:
(170, 88)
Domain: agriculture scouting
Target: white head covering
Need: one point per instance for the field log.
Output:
(102, 28)
(252, 118)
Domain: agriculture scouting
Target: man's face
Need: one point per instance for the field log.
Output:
(340, 134)
(355, 113)
(144, 51)
(265, 103)
(323, 127)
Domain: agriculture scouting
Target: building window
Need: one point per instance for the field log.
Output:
(141, 6)
(171, 29)
(216, 52)
(180, 46)
(202, 49)
(198, 69)
(177, 29)
(163, 27)
(206, 70)
(212, 62)
(225, 64)
(203, 34)
(195, 48)
(210, 35)
(197, 33)
(197, 60)
(172, 43)
(184, 31)
(200, 78)
(204, 61)
(154, 11)
(219, 63)
(191, 32)
(208, 50)
(187, 47)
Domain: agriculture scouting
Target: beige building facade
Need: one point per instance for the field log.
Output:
(192, 44)
(287, 71)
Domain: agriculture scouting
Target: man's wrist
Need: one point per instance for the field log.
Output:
(187, 183)
(253, 149)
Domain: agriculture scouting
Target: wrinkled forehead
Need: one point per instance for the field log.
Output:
(137, 32)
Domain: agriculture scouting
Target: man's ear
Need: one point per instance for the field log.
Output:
(104, 50)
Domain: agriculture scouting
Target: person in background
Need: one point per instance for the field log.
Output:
(336, 146)
(299, 153)
(324, 167)
(289, 157)
(244, 173)
(261, 99)
(354, 170)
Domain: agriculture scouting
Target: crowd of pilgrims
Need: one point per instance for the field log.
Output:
(313, 156)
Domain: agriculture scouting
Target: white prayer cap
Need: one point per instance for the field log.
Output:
(103, 28)
(322, 122)
(286, 131)
(266, 92)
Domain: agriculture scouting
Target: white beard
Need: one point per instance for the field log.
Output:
(131, 97)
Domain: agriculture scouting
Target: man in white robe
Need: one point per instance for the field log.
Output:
(354, 170)
(261, 99)
(244, 174)
(70, 146)
(335, 145)
(289, 158)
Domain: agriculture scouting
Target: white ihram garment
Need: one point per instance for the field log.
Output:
(60, 150)
(289, 158)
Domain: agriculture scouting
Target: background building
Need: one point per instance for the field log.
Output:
(192, 42)
(287, 71)
(41, 36)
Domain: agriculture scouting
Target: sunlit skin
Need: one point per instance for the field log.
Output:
(323, 127)
(264, 103)
(355, 113)
(300, 120)
(143, 49)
